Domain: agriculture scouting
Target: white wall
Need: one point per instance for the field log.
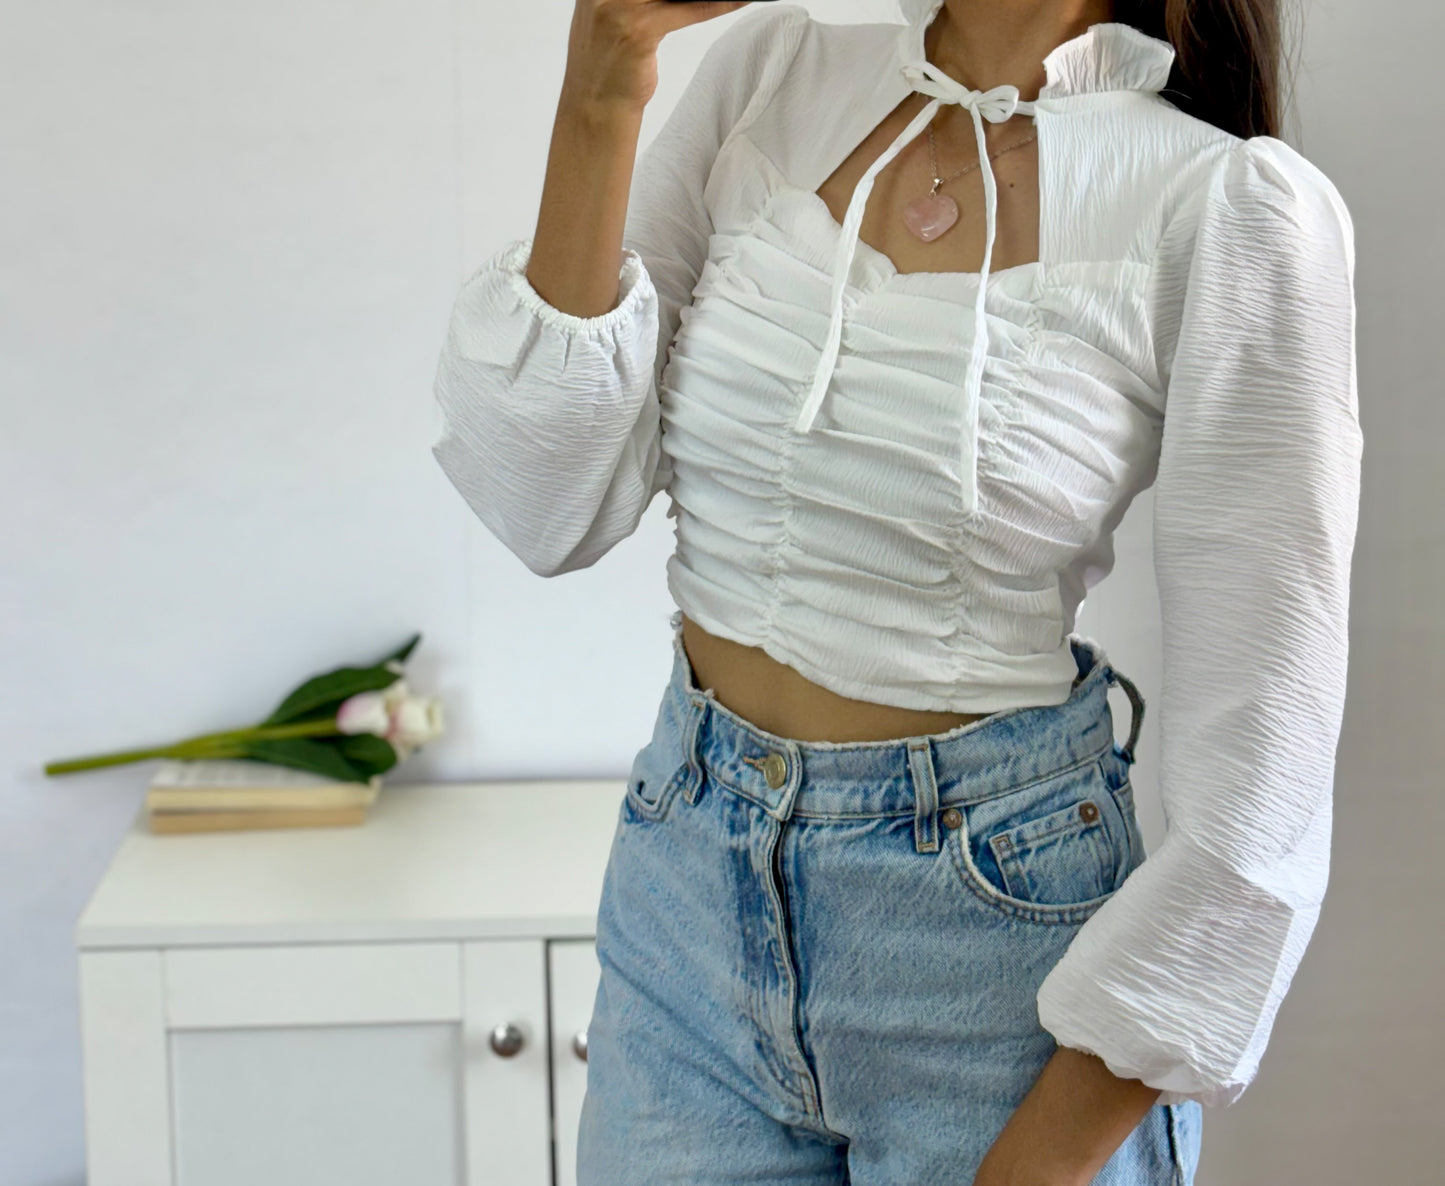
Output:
(229, 240)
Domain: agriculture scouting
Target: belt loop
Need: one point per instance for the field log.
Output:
(691, 729)
(1136, 707)
(925, 795)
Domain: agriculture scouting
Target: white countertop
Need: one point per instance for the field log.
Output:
(433, 861)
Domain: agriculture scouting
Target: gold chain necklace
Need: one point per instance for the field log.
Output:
(930, 216)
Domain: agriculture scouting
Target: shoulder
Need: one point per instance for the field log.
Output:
(1252, 194)
(1266, 206)
(1256, 232)
(1273, 182)
(1202, 170)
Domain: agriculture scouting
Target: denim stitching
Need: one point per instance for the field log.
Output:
(692, 725)
(789, 1056)
(925, 791)
(1036, 912)
(1033, 782)
(1092, 831)
(1079, 827)
(943, 802)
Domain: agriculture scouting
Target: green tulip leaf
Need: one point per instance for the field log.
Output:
(368, 752)
(304, 753)
(323, 694)
(404, 653)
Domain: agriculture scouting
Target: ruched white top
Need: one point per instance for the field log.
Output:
(903, 485)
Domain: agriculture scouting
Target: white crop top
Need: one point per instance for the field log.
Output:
(903, 485)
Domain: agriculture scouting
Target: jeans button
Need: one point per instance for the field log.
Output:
(775, 769)
(952, 818)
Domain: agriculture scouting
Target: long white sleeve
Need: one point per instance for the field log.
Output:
(1176, 980)
(552, 430)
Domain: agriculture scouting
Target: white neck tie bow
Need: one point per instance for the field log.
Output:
(995, 105)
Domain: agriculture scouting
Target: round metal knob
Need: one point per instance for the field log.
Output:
(579, 1045)
(506, 1039)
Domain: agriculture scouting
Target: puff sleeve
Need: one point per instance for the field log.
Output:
(551, 425)
(1177, 978)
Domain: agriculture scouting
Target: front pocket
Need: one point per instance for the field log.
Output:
(649, 793)
(1124, 802)
(1052, 852)
(661, 767)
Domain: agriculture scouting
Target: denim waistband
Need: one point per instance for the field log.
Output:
(911, 775)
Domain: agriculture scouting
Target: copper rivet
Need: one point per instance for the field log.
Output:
(775, 770)
(1088, 811)
(952, 818)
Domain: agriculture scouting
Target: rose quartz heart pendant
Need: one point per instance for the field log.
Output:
(930, 216)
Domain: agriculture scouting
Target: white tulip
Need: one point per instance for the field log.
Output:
(406, 721)
(366, 712)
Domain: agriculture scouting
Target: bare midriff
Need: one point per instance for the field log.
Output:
(776, 698)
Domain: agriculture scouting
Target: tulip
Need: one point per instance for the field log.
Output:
(351, 724)
(406, 721)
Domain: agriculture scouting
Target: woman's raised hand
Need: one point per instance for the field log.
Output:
(612, 48)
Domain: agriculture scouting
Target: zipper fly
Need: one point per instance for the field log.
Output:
(798, 1055)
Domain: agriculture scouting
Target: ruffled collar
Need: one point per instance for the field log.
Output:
(1107, 56)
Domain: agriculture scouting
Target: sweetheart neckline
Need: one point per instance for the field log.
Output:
(882, 258)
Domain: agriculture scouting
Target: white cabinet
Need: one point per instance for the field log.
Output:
(404, 1001)
(574, 984)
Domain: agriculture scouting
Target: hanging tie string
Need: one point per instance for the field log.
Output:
(994, 105)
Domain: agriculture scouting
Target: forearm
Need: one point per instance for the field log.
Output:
(577, 247)
(1069, 1124)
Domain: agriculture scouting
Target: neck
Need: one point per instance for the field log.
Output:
(987, 43)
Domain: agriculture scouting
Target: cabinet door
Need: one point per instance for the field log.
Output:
(368, 1064)
(574, 974)
(299, 1064)
(508, 1118)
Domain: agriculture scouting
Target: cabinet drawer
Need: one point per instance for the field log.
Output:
(336, 984)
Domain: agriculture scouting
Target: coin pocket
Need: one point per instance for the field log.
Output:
(1063, 858)
(1054, 851)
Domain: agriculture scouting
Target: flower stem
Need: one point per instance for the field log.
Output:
(207, 745)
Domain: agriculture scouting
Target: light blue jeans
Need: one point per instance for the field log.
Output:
(819, 960)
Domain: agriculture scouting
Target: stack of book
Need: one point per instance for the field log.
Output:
(223, 795)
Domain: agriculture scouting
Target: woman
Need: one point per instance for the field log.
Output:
(904, 318)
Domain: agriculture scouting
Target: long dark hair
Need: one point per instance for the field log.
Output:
(1227, 58)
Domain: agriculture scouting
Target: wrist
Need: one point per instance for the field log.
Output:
(598, 114)
(1070, 1123)
(1006, 1166)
